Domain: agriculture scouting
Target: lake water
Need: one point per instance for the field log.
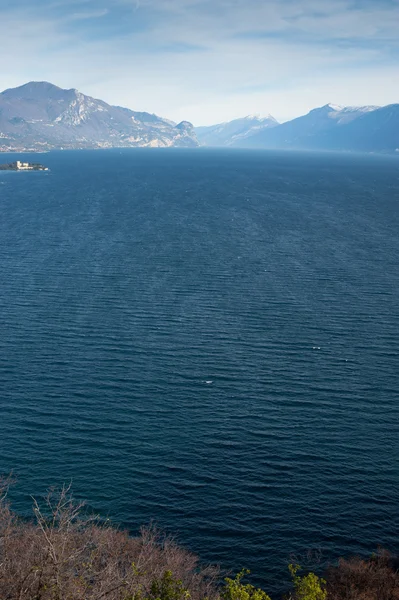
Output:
(209, 339)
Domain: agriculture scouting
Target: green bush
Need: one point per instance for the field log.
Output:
(235, 590)
(168, 588)
(308, 587)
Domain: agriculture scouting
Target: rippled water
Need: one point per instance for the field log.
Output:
(208, 339)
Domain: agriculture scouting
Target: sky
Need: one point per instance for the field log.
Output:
(207, 61)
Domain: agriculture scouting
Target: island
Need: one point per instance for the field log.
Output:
(23, 166)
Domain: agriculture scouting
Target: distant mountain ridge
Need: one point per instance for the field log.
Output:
(233, 132)
(330, 127)
(42, 116)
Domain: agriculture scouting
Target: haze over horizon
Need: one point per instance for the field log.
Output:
(208, 62)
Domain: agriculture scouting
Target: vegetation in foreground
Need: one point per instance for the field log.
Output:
(63, 555)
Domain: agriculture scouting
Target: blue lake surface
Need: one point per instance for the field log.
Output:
(209, 339)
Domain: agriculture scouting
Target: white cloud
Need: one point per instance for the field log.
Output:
(92, 14)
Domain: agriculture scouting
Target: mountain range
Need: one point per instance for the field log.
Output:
(42, 116)
(330, 127)
(234, 133)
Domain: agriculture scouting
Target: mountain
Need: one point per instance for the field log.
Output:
(233, 132)
(42, 116)
(375, 131)
(330, 127)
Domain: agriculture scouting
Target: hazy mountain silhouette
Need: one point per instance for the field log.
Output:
(330, 127)
(233, 132)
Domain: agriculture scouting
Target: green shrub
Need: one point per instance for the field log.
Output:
(235, 590)
(308, 587)
(168, 588)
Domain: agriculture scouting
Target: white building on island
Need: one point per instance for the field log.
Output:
(22, 166)
(25, 166)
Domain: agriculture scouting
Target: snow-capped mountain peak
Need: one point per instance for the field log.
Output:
(229, 133)
(335, 107)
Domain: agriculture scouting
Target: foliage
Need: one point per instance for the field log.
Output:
(375, 578)
(65, 555)
(168, 588)
(307, 587)
(235, 590)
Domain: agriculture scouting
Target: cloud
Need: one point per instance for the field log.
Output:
(93, 14)
(209, 60)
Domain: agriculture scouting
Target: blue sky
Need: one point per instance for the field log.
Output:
(207, 60)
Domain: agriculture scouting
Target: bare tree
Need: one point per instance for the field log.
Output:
(67, 555)
(376, 578)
